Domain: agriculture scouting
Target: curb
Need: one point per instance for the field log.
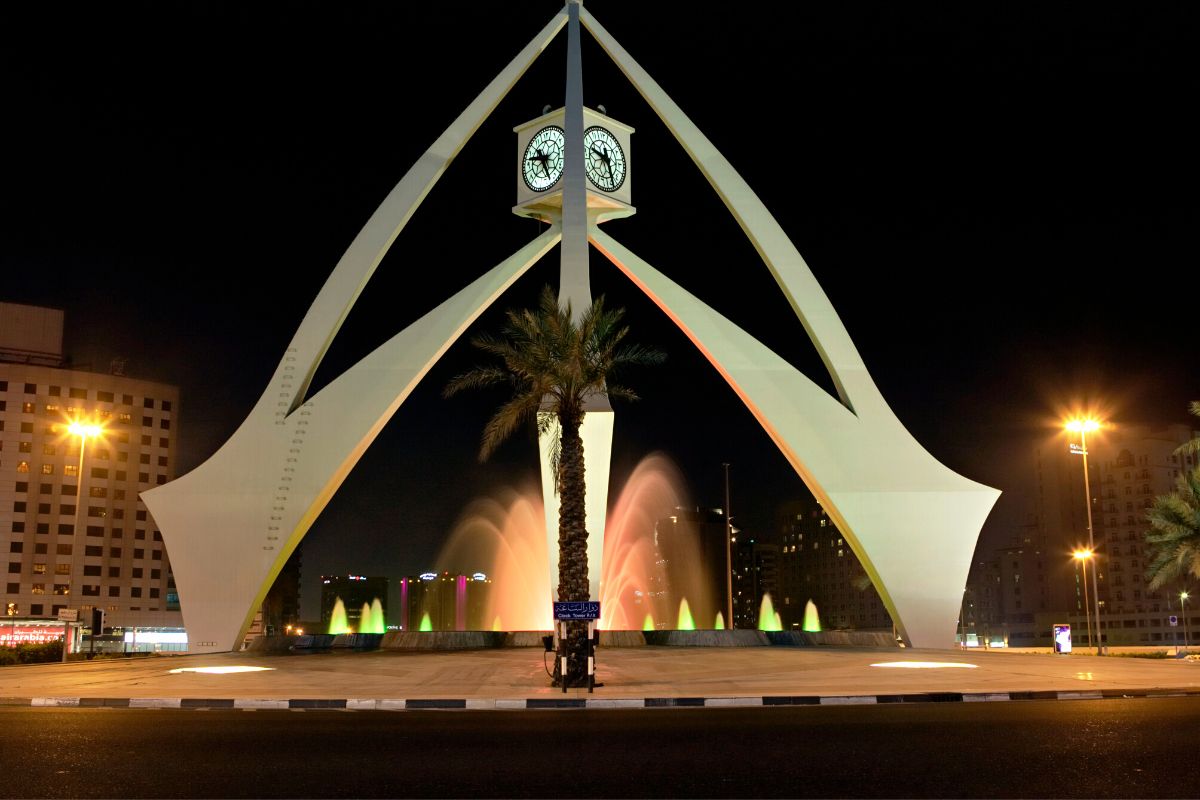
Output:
(544, 703)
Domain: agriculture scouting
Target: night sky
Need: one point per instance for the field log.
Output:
(1001, 204)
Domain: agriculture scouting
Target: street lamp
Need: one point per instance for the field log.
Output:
(1085, 555)
(1183, 596)
(728, 555)
(1082, 426)
(85, 431)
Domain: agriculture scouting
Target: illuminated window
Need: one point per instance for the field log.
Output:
(62, 588)
(25, 447)
(124, 417)
(39, 569)
(72, 470)
(38, 588)
(47, 469)
(98, 491)
(28, 408)
(23, 466)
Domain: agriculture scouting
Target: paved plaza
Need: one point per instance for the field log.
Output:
(631, 673)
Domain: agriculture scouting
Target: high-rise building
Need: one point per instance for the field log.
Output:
(72, 526)
(816, 563)
(755, 575)
(1035, 582)
(1130, 466)
(281, 607)
(690, 553)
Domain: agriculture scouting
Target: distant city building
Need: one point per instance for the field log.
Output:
(450, 602)
(1130, 466)
(691, 562)
(816, 563)
(755, 574)
(281, 607)
(354, 591)
(76, 535)
(1018, 591)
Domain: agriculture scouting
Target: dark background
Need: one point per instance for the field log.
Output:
(1000, 202)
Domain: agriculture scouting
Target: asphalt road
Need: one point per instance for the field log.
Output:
(1086, 748)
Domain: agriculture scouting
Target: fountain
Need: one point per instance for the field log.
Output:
(505, 539)
(652, 557)
(719, 623)
(646, 574)
(768, 620)
(685, 617)
(812, 622)
(337, 621)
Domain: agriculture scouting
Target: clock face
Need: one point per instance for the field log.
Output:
(604, 161)
(542, 165)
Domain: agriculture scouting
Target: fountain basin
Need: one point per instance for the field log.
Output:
(706, 638)
(832, 638)
(443, 640)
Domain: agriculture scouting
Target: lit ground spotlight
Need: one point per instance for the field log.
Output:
(220, 670)
(924, 664)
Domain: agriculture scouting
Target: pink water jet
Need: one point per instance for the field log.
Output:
(504, 538)
(651, 563)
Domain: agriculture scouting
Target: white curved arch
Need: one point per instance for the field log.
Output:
(231, 524)
(911, 521)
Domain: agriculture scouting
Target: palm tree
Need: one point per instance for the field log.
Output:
(1174, 535)
(1192, 446)
(555, 366)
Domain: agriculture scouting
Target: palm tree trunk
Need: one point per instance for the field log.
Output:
(572, 539)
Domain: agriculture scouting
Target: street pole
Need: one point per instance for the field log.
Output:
(1087, 608)
(1183, 596)
(1087, 491)
(728, 555)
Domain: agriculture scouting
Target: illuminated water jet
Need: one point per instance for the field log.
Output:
(647, 570)
(505, 539)
(372, 619)
(768, 620)
(719, 624)
(812, 622)
(337, 620)
(685, 617)
(426, 625)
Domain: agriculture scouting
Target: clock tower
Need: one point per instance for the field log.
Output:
(541, 165)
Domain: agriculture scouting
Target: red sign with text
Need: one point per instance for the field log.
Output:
(28, 634)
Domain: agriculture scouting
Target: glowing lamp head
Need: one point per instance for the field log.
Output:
(1082, 555)
(1086, 425)
(82, 430)
(1183, 595)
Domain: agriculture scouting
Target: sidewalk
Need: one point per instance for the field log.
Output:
(635, 676)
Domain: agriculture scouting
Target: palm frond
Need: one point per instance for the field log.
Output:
(1173, 540)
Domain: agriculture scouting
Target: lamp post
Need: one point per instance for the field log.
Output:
(728, 555)
(84, 431)
(1183, 596)
(1084, 556)
(1082, 426)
